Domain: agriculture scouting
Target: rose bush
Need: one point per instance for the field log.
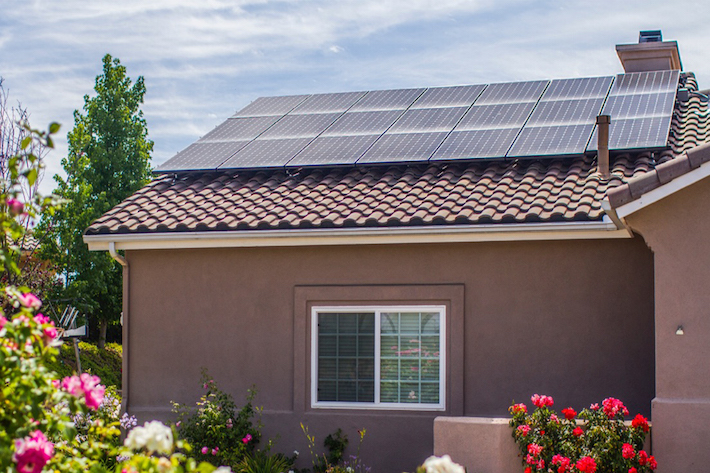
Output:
(596, 440)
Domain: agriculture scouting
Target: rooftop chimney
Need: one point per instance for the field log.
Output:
(650, 54)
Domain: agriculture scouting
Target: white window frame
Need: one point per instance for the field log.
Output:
(378, 309)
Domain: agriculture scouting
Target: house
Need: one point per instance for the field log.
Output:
(387, 258)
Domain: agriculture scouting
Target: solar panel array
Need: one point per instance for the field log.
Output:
(507, 120)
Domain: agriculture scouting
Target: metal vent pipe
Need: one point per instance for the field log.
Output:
(603, 122)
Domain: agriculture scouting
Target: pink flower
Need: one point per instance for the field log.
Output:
(640, 422)
(541, 401)
(32, 453)
(534, 449)
(247, 439)
(586, 465)
(3, 321)
(562, 462)
(524, 430)
(30, 300)
(554, 418)
(633, 470)
(627, 451)
(578, 432)
(86, 385)
(517, 408)
(15, 206)
(215, 451)
(50, 332)
(612, 406)
(569, 413)
(229, 423)
(594, 406)
(205, 450)
(643, 457)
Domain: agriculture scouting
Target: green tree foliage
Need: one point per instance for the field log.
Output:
(108, 160)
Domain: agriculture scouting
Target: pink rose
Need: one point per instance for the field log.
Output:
(541, 401)
(517, 408)
(524, 430)
(86, 385)
(247, 439)
(215, 451)
(32, 453)
(3, 321)
(14, 206)
(534, 449)
(30, 300)
(205, 450)
(612, 406)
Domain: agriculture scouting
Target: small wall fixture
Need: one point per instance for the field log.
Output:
(679, 330)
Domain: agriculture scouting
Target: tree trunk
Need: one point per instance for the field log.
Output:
(103, 325)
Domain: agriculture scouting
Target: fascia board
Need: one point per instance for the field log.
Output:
(653, 196)
(358, 236)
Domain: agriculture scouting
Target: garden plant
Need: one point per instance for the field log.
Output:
(595, 440)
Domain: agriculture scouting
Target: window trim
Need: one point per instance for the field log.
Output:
(378, 405)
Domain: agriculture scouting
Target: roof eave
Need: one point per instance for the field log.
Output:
(603, 229)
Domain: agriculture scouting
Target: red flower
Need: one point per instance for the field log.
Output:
(562, 461)
(569, 413)
(586, 465)
(578, 432)
(640, 422)
(643, 458)
(627, 451)
(524, 430)
(541, 401)
(534, 449)
(632, 470)
(517, 408)
(528, 469)
(612, 406)
(652, 462)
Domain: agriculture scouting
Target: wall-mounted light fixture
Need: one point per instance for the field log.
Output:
(679, 330)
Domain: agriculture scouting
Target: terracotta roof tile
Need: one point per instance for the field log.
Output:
(479, 192)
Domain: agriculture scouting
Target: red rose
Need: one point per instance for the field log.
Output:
(640, 422)
(652, 462)
(528, 470)
(586, 465)
(569, 413)
(643, 458)
(627, 451)
(578, 432)
(632, 470)
(517, 408)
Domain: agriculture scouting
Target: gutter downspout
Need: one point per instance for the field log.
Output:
(611, 213)
(124, 323)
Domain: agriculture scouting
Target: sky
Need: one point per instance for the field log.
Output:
(204, 60)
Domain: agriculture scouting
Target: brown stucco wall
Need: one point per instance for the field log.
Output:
(573, 319)
(677, 229)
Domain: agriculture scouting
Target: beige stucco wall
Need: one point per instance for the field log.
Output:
(573, 319)
(677, 229)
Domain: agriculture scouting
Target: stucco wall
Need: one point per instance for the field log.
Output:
(677, 229)
(573, 319)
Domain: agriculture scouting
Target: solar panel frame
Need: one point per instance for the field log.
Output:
(333, 150)
(271, 106)
(452, 96)
(402, 147)
(396, 99)
(266, 153)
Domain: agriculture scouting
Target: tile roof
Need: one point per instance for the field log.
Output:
(482, 192)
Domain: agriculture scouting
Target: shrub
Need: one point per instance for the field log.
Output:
(333, 462)
(221, 434)
(594, 441)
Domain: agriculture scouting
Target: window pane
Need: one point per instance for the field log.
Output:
(430, 393)
(347, 345)
(389, 392)
(430, 322)
(409, 392)
(409, 323)
(327, 369)
(430, 369)
(347, 391)
(327, 323)
(389, 323)
(430, 347)
(327, 345)
(327, 391)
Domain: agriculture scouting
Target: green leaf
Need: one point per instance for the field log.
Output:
(54, 127)
(32, 176)
(26, 142)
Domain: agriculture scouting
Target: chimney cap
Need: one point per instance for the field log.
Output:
(651, 53)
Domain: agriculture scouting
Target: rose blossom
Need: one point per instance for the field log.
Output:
(633, 470)
(569, 413)
(534, 449)
(627, 451)
(247, 439)
(578, 432)
(205, 450)
(517, 408)
(541, 401)
(3, 321)
(652, 464)
(562, 461)
(442, 464)
(612, 406)
(643, 457)
(14, 206)
(640, 422)
(87, 385)
(30, 300)
(524, 429)
(586, 465)
(32, 453)
(215, 451)
(594, 406)
(154, 436)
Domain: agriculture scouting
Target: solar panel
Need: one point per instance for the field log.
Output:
(300, 126)
(486, 117)
(267, 106)
(398, 99)
(402, 147)
(551, 141)
(428, 119)
(363, 123)
(512, 92)
(457, 96)
(202, 156)
(325, 103)
(266, 153)
(475, 144)
(333, 150)
(235, 129)
(566, 112)
(641, 108)
(584, 88)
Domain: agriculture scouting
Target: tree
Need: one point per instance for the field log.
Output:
(108, 160)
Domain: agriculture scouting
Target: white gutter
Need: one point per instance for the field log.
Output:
(665, 190)
(112, 251)
(125, 320)
(611, 213)
(358, 236)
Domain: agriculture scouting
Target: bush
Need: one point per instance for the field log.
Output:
(221, 434)
(594, 441)
(106, 363)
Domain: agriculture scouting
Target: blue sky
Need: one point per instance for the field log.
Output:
(203, 60)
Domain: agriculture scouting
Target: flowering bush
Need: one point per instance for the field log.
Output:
(594, 441)
(442, 464)
(221, 434)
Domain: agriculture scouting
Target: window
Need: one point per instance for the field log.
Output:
(378, 357)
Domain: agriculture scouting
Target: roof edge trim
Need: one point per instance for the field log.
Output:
(358, 236)
(663, 191)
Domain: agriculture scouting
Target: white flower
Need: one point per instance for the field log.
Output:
(154, 436)
(223, 469)
(295, 452)
(442, 465)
